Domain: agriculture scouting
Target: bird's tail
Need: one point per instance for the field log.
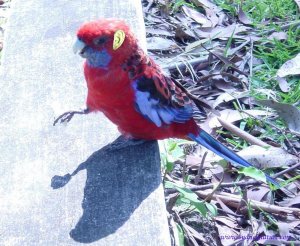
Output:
(212, 144)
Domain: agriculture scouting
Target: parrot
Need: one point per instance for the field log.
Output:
(132, 91)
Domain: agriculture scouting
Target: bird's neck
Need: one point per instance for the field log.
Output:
(135, 63)
(120, 71)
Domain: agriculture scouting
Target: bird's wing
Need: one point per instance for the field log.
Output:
(158, 99)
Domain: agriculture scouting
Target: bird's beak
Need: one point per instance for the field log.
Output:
(79, 47)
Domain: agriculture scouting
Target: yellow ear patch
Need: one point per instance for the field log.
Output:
(119, 38)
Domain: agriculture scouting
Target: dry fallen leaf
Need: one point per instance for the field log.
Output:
(243, 17)
(257, 193)
(195, 15)
(291, 202)
(193, 160)
(224, 207)
(289, 113)
(159, 43)
(278, 36)
(218, 171)
(223, 85)
(286, 226)
(229, 96)
(231, 116)
(234, 50)
(184, 33)
(195, 233)
(227, 221)
(221, 32)
(291, 67)
(206, 4)
(283, 84)
(227, 234)
(267, 158)
(211, 15)
(213, 12)
(160, 31)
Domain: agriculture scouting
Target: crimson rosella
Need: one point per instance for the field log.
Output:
(132, 91)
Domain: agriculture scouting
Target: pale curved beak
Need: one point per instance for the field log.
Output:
(78, 47)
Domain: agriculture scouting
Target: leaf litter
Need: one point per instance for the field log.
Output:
(216, 49)
(209, 52)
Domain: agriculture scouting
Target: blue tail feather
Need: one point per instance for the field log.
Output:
(212, 144)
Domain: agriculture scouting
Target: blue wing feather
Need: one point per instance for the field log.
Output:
(155, 107)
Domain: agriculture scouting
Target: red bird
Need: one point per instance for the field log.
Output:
(132, 91)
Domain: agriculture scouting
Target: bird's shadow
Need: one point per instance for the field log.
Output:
(119, 177)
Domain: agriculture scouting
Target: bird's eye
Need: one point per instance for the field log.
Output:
(100, 40)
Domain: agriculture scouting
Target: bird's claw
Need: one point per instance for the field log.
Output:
(65, 117)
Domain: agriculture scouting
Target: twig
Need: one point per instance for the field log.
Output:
(269, 123)
(210, 196)
(233, 184)
(188, 235)
(286, 170)
(151, 2)
(210, 186)
(284, 27)
(226, 61)
(243, 205)
(184, 170)
(291, 146)
(200, 169)
(288, 176)
(234, 50)
(234, 201)
(181, 65)
(283, 131)
(251, 62)
(242, 134)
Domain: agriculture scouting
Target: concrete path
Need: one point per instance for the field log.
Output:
(116, 197)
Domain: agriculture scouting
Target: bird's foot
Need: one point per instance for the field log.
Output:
(67, 116)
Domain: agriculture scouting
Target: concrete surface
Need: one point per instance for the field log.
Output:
(116, 197)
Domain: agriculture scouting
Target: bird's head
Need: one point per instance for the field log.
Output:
(105, 42)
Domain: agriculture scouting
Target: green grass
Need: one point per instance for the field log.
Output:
(274, 54)
(270, 15)
(178, 3)
(267, 15)
(261, 10)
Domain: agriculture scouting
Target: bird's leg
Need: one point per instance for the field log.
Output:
(67, 116)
